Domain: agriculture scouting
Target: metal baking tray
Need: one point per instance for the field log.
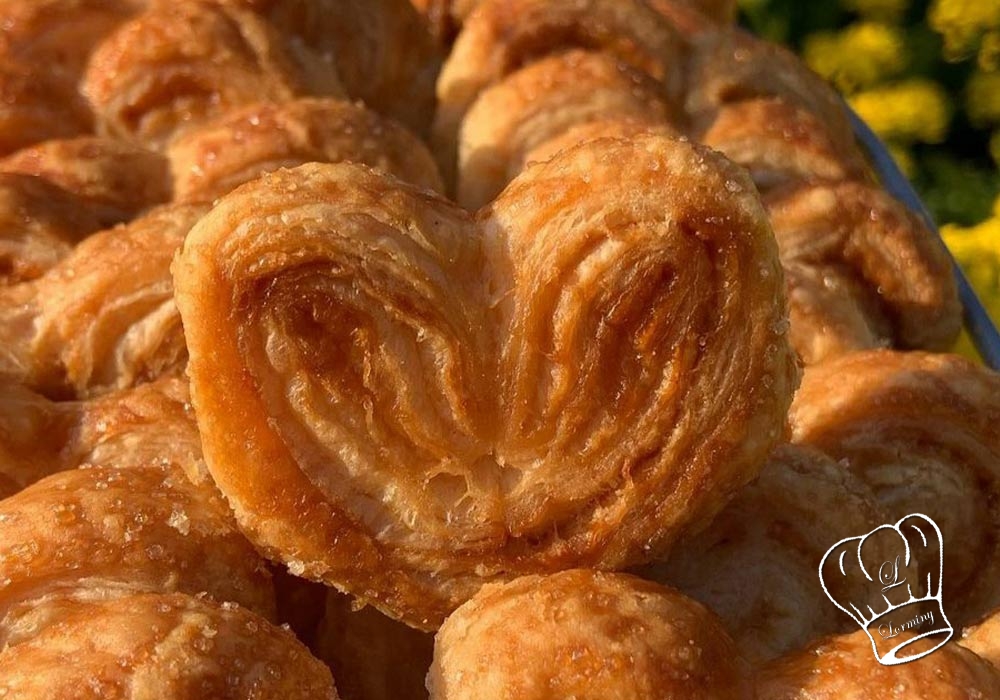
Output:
(978, 324)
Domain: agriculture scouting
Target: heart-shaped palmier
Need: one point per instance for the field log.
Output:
(406, 401)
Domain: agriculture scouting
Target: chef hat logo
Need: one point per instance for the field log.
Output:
(889, 582)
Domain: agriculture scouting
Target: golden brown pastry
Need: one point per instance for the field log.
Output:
(36, 105)
(39, 223)
(864, 271)
(780, 143)
(756, 563)
(148, 424)
(628, 128)
(504, 35)
(182, 63)
(729, 66)
(373, 657)
(118, 180)
(539, 103)
(923, 431)
(984, 638)
(405, 402)
(175, 647)
(104, 317)
(87, 535)
(59, 35)
(214, 159)
(381, 49)
(844, 668)
(586, 635)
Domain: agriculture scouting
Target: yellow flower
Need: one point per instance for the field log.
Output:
(982, 98)
(907, 111)
(962, 23)
(977, 250)
(885, 10)
(989, 51)
(860, 56)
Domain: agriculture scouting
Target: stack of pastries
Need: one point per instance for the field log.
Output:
(461, 349)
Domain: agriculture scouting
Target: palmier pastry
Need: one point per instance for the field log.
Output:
(182, 63)
(116, 179)
(405, 402)
(214, 159)
(59, 34)
(381, 49)
(923, 431)
(85, 327)
(864, 271)
(504, 35)
(168, 646)
(539, 103)
(39, 223)
(619, 128)
(844, 668)
(781, 143)
(730, 66)
(984, 638)
(148, 424)
(36, 105)
(586, 635)
(756, 564)
(373, 657)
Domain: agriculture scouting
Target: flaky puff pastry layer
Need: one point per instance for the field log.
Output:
(91, 535)
(116, 179)
(923, 431)
(382, 50)
(36, 104)
(864, 271)
(373, 657)
(756, 563)
(59, 35)
(152, 424)
(586, 635)
(182, 63)
(85, 327)
(39, 224)
(175, 647)
(406, 402)
(844, 668)
(983, 638)
(214, 159)
(618, 128)
(541, 102)
(504, 35)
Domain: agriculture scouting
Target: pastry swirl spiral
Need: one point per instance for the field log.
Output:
(591, 366)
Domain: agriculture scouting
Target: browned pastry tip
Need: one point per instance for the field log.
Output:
(36, 104)
(39, 224)
(844, 668)
(88, 535)
(586, 635)
(383, 50)
(118, 180)
(628, 128)
(405, 402)
(539, 103)
(504, 35)
(175, 647)
(730, 66)
(59, 34)
(373, 657)
(84, 327)
(152, 424)
(779, 143)
(756, 564)
(923, 431)
(182, 63)
(983, 638)
(212, 160)
(864, 271)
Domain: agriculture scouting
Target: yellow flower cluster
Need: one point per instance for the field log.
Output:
(863, 54)
(913, 110)
(982, 98)
(963, 23)
(885, 10)
(977, 250)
